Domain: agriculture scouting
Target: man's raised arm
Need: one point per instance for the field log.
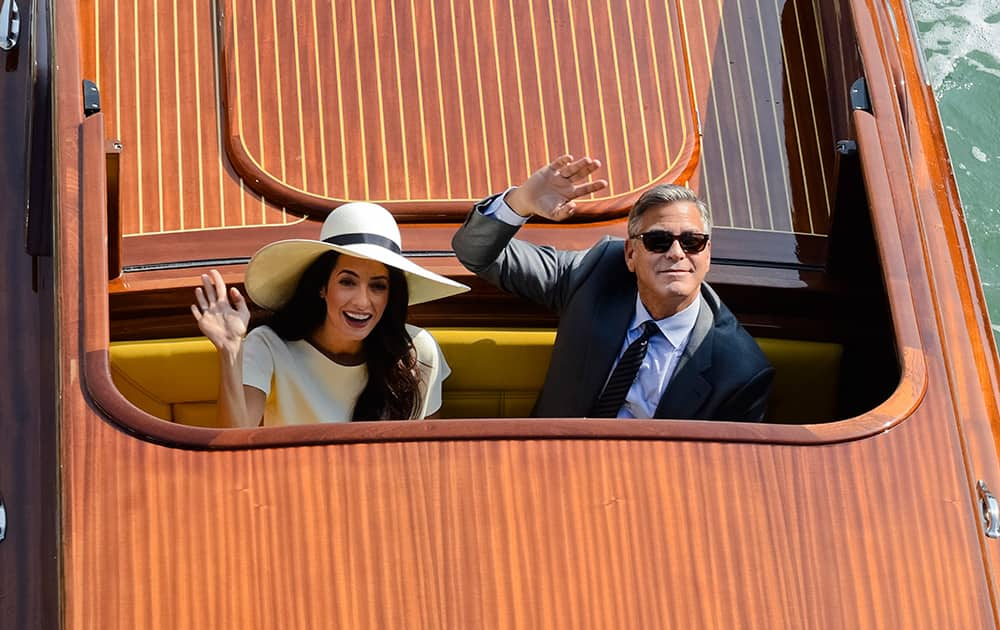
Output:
(551, 191)
(485, 244)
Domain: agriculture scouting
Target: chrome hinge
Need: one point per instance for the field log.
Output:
(10, 24)
(3, 520)
(989, 509)
(91, 98)
(847, 147)
(858, 96)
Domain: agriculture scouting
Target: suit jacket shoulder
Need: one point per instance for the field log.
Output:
(723, 375)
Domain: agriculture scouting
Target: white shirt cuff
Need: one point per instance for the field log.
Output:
(500, 211)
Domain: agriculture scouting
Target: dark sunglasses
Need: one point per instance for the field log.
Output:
(659, 241)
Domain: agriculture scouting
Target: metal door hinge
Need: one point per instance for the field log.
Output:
(91, 98)
(989, 509)
(858, 96)
(10, 24)
(3, 520)
(847, 147)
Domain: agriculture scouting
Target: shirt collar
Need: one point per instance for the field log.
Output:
(676, 327)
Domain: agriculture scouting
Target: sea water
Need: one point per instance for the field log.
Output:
(961, 45)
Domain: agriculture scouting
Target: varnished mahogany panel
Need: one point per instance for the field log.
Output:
(505, 534)
(963, 303)
(683, 525)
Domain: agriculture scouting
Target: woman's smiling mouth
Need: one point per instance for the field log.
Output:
(357, 320)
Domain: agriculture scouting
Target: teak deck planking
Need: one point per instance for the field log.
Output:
(428, 127)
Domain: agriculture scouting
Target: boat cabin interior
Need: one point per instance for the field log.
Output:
(217, 140)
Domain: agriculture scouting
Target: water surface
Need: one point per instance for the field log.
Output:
(961, 42)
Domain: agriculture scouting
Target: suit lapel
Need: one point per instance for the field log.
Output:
(688, 388)
(612, 316)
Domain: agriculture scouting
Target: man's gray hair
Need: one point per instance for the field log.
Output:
(661, 195)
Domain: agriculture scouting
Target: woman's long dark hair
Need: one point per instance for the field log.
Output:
(392, 390)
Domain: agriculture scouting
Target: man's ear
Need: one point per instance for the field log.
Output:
(630, 254)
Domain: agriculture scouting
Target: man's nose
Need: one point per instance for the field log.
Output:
(676, 252)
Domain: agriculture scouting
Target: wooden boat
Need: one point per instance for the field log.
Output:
(210, 128)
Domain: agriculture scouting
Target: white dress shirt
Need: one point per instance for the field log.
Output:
(499, 210)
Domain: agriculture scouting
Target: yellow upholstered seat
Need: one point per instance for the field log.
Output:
(805, 380)
(496, 373)
(173, 379)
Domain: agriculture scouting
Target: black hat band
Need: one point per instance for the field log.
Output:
(364, 237)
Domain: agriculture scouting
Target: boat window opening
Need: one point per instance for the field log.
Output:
(832, 345)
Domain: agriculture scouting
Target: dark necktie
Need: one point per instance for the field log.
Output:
(613, 396)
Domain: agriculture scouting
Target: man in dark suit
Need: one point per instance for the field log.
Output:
(640, 333)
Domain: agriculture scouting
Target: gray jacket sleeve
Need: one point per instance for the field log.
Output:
(543, 274)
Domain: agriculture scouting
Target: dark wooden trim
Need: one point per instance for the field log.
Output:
(749, 247)
(791, 302)
(113, 153)
(29, 564)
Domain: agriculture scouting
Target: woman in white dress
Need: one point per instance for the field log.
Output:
(337, 347)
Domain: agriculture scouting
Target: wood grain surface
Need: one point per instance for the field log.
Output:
(867, 523)
(428, 107)
(169, 82)
(530, 534)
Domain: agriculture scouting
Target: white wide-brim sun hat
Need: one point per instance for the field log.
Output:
(360, 229)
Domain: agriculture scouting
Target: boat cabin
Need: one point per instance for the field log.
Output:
(276, 119)
(164, 139)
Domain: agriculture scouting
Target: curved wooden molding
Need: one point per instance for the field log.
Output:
(451, 108)
(97, 376)
(901, 404)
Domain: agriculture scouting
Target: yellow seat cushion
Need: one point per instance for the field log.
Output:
(162, 376)
(496, 373)
(806, 375)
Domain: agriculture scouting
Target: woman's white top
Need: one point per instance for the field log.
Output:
(304, 386)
